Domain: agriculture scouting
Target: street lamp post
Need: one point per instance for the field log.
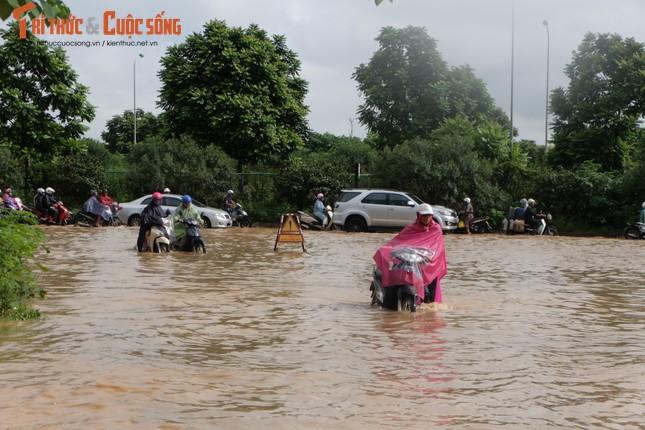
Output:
(512, 64)
(546, 113)
(134, 88)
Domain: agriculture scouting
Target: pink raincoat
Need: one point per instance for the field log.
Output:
(425, 245)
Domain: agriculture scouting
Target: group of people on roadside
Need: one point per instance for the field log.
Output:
(44, 202)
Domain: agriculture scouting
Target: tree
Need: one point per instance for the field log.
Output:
(597, 117)
(236, 89)
(119, 133)
(51, 8)
(409, 90)
(42, 106)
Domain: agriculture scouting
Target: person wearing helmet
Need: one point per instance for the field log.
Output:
(151, 215)
(533, 219)
(422, 234)
(641, 217)
(39, 201)
(166, 190)
(105, 198)
(468, 214)
(228, 203)
(184, 212)
(50, 202)
(319, 209)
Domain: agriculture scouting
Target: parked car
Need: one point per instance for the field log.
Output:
(364, 209)
(130, 213)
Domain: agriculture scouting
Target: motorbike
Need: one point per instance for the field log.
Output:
(402, 297)
(310, 222)
(518, 226)
(240, 217)
(158, 238)
(477, 225)
(64, 214)
(635, 230)
(86, 219)
(193, 241)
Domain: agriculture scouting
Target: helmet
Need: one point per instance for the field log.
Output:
(93, 193)
(467, 200)
(49, 190)
(531, 201)
(231, 192)
(104, 190)
(40, 191)
(320, 196)
(523, 203)
(425, 209)
(643, 205)
(186, 199)
(166, 190)
(157, 196)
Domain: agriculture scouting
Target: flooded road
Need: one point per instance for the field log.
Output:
(534, 333)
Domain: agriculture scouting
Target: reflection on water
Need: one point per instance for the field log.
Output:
(534, 333)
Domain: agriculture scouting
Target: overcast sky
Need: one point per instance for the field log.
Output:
(332, 37)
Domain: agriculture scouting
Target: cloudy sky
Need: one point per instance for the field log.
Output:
(332, 37)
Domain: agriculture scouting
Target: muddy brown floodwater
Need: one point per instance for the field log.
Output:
(534, 333)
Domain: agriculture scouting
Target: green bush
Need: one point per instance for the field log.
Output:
(19, 238)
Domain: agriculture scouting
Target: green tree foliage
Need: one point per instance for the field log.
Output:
(181, 165)
(42, 106)
(443, 171)
(409, 90)
(17, 277)
(119, 130)
(304, 177)
(236, 89)
(50, 8)
(597, 117)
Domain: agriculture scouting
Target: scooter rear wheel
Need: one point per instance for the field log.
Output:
(200, 248)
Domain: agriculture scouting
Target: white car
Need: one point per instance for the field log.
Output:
(362, 210)
(130, 213)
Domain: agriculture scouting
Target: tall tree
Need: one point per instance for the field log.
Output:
(237, 89)
(119, 130)
(409, 89)
(42, 106)
(597, 117)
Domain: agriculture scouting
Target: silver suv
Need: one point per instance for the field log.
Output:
(363, 209)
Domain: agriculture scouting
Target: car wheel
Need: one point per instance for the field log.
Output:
(207, 222)
(355, 224)
(134, 221)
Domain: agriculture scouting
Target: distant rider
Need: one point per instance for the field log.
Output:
(152, 215)
(641, 218)
(50, 202)
(184, 212)
(93, 206)
(105, 198)
(9, 201)
(39, 201)
(319, 209)
(533, 219)
(229, 203)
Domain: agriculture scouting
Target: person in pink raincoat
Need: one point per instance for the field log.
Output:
(423, 241)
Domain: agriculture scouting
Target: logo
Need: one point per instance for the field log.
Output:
(110, 24)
